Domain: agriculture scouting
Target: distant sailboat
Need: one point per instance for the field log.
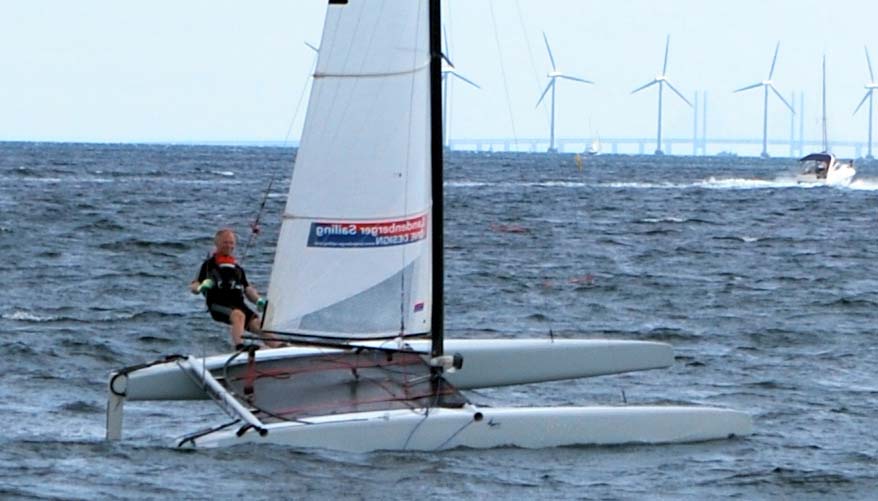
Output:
(824, 166)
(595, 147)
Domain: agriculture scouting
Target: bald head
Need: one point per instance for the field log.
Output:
(225, 242)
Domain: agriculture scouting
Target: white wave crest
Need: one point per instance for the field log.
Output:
(864, 184)
(748, 183)
(668, 219)
(26, 316)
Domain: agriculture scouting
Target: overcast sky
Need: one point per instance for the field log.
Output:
(223, 70)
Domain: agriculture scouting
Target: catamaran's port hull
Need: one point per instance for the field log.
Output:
(538, 427)
(486, 363)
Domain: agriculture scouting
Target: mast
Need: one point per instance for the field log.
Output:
(825, 137)
(438, 307)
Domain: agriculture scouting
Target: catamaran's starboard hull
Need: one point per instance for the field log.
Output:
(481, 428)
(487, 363)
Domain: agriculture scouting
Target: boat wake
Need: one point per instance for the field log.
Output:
(714, 183)
(784, 181)
(864, 184)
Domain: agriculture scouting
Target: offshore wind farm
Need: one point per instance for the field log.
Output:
(107, 78)
(714, 57)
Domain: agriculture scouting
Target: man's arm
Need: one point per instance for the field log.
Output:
(251, 293)
(195, 285)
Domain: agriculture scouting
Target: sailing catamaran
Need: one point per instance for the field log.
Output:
(357, 284)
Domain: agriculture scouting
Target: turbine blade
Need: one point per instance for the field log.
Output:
(869, 62)
(458, 75)
(551, 83)
(445, 58)
(445, 39)
(678, 92)
(749, 87)
(782, 98)
(773, 60)
(868, 93)
(644, 86)
(551, 58)
(575, 79)
(315, 49)
(665, 66)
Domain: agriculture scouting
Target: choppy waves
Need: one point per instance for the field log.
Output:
(764, 286)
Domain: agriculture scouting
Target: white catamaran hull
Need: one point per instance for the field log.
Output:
(486, 363)
(475, 427)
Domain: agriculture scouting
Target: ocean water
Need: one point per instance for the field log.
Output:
(767, 289)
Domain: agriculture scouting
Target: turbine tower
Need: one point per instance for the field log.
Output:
(662, 80)
(448, 69)
(554, 75)
(767, 84)
(870, 87)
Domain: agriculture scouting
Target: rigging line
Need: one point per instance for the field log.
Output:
(449, 89)
(503, 72)
(450, 438)
(254, 226)
(408, 439)
(301, 100)
(435, 403)
(194, 436)
(447, 18)
(530, 54)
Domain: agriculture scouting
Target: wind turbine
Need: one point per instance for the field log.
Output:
(449, 69)
(554, 75)
(662, 80)
(766, 84)
(870, 87)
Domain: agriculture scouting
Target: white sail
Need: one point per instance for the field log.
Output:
(353, 257)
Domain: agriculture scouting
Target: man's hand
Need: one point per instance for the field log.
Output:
(205, 286)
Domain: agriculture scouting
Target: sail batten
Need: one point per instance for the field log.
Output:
(422, 67)
(354, 256)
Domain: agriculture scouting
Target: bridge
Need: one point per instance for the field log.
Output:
(670, 146)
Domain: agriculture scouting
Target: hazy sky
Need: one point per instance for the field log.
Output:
(222, 70)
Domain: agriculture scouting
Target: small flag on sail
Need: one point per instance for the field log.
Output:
(419, 306)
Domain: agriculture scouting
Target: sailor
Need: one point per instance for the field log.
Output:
(224, 285)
